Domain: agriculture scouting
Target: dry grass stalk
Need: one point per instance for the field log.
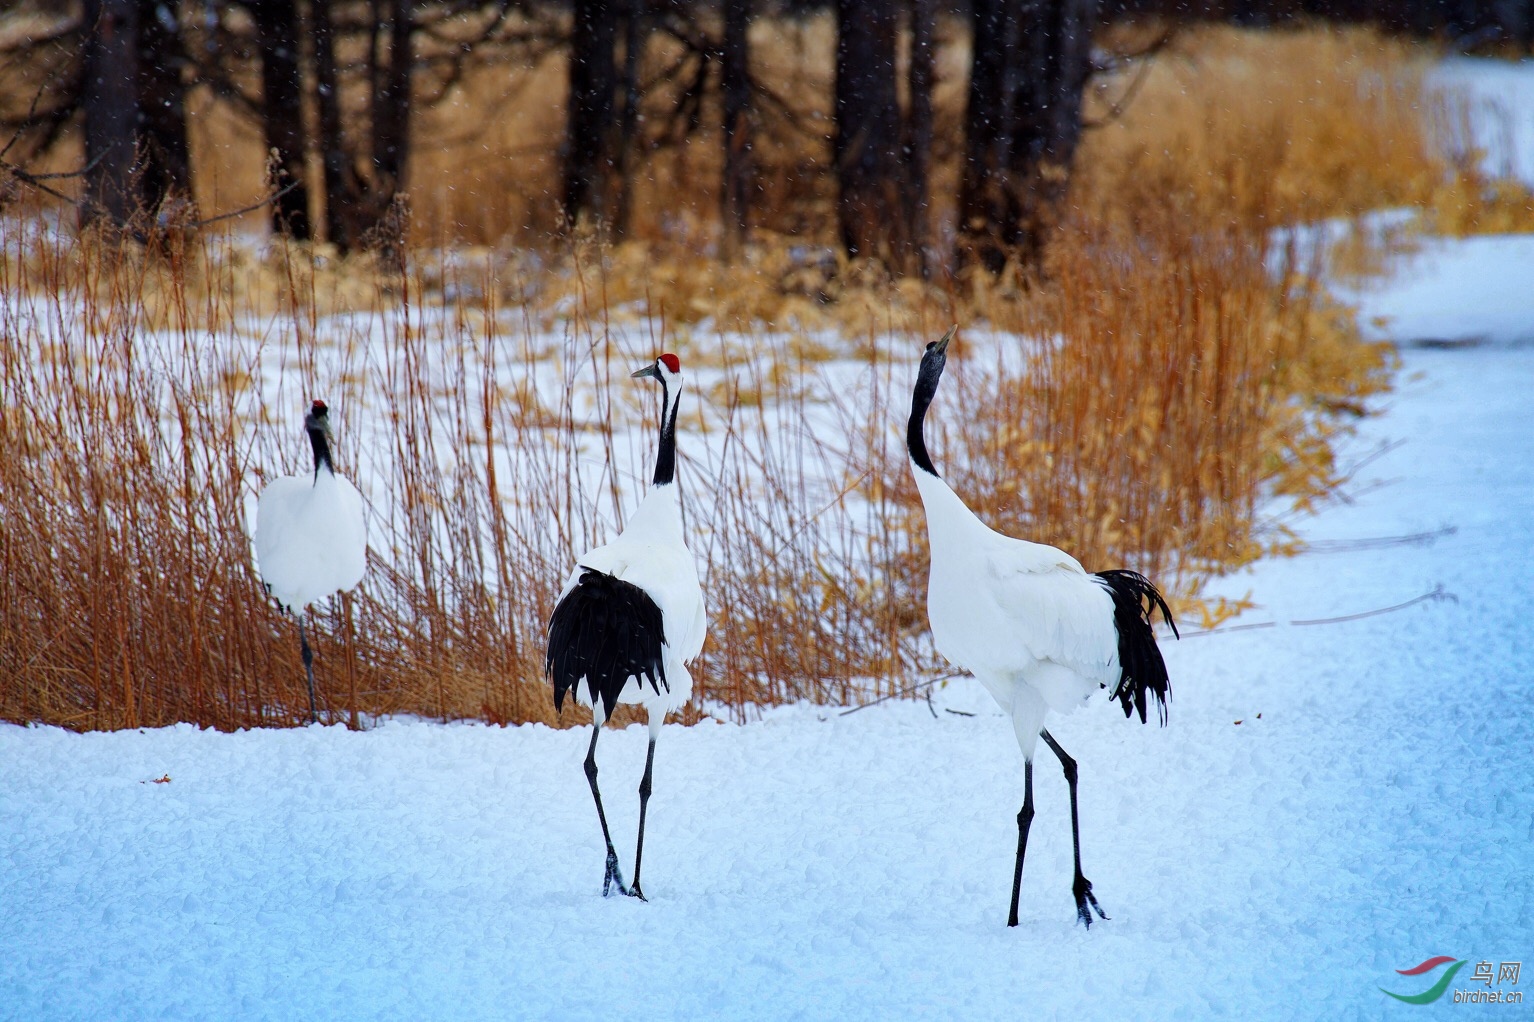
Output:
(484, 408)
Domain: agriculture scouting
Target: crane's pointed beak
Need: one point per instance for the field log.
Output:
(942, 345)
(648, 370)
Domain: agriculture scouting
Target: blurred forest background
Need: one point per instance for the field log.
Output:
(374, 124)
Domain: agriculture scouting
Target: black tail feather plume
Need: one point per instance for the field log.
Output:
(1135, 600)
(606, 631)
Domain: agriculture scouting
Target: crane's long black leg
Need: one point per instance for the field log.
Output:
(614, 875)
(1081, 887)
(1024, 820)
(644, 801)
(308, 654)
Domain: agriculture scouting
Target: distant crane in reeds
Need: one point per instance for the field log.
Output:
(629, 619)
(311, 536)
(1037, 630)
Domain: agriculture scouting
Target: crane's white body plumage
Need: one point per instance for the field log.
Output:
(1025, 618)
(311, 537)
(652, 554)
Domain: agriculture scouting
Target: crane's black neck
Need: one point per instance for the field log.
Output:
(926, 387)
(665, 458)
(321, 447)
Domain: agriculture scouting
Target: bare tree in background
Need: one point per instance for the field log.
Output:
(1031, 60)
(391, 106)
(108, 98)
(164, 155)
(282, 112)
(917, 146)
(338, 80)
(591, 137)
(132, 97)
(412, 54)
(335, 161)
(364, 176)
(872, 185)
(735, 89)
(602, 136)
(635, 29)
(882, 152)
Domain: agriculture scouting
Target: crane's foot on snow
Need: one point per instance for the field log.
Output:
(614, 877)
(1082, 889)
(635, 892)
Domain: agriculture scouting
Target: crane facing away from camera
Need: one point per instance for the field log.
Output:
(311, 536)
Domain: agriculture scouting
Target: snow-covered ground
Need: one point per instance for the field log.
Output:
(816, 865)
(1454, 292)
(1330, 803)
(1499, 102)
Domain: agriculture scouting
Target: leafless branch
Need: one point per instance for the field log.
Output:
(1338, 546)
(59, 30)
(285, 189)
(1144, 57)
(907, 691)
(1436, 595)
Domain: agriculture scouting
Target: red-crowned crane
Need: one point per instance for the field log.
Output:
(311, 536)
(630, 618)
(1038, 631)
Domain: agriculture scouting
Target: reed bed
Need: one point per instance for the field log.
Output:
(492, 450)
(1173, 368)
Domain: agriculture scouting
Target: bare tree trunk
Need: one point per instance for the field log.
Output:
(628, 116)
(109, 96)
(1031, 60)
(339, 184)
(918, 134)
(165, 158)
(364, 172)
(391, 108)
(590, 138)
(987, 195)
(1057, 59)
(282, 119)
(391, 138)
(735, 84)
(870, 172)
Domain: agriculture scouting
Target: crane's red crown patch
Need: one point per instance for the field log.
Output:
(672, 362)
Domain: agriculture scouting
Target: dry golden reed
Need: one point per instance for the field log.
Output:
(1173, 363)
